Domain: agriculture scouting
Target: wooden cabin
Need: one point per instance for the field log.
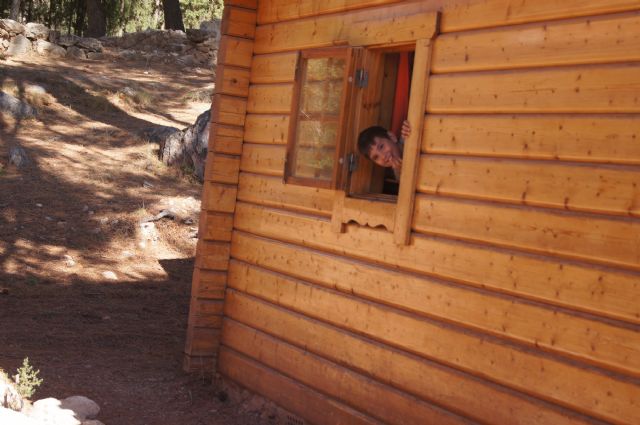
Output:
(499, 283)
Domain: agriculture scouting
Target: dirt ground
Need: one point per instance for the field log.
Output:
(98, 303)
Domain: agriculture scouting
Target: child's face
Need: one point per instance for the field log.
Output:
(385, 151)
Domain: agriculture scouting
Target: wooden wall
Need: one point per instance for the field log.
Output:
(518, 299)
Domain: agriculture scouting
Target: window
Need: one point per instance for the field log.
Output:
(338, 93)
(319, 121)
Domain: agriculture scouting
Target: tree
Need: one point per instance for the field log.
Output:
(172, 15)
(15, 10)
(96, 19)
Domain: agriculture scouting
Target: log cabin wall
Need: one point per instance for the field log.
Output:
(517, 300)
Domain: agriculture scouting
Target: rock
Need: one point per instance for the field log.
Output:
(36, 31)
(76, 53)
(11, 26)
(50, 411)
(109, 275)
(49, 49)
(210, 26)
(95, 56)
(197, 36)
(9, 396)
(92, 422)
(90, 44)
(196, 141)
(68, 40)
(69, 261)
(186, 60)
(54, 36)
(84, 407)
(11, 417)
(16, 107)
(18, 157)
(18, 46)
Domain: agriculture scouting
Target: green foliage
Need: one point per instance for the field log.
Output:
(27, 379)
(70, 16)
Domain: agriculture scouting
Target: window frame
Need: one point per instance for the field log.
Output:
(351, 55)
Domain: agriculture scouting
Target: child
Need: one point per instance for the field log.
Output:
(383, 147)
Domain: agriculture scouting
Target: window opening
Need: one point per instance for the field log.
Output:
(386, 104)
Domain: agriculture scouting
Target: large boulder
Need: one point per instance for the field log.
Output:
(84, 407)
(68, 40)
(45, 48)
(90, 44)
(11, 417)
(51, 411)
(16, 107)
(10, 398)
(76, 53)
(11, 26)
(19, 46)
(197, 36)
(36, 31)
(18, 157)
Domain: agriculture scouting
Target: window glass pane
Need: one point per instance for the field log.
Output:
(318, 118)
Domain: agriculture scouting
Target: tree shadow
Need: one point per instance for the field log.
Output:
(119, 344)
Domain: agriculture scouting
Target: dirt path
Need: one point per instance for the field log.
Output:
(97, 303)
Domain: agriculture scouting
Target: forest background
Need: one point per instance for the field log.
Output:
(97, 18)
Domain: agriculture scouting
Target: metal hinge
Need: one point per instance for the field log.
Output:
(353, 162)
(362, 78)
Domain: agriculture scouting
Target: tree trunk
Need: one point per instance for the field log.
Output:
(81, 13)
(97, 20)
(172, 15)
(15, 10)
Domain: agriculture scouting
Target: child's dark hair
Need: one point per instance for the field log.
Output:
(367, 138)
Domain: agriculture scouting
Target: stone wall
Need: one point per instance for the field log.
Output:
(196, 47)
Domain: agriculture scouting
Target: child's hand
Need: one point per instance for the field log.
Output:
(405, 132)
(396, 163)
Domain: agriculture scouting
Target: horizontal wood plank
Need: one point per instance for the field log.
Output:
(270, 129)
(209, 284)
(378, 400)
(399, 23)
(238, 22)
(205, 313)
(463, 15)
(233, 81)
(213, 255)
(228, 110)
(284, 10)
(536, 326)
(271, 191)
(599, 189)
(222, 168)
(217, 197)
(202, 341)
(606, 241)
(584, 390)
(595, 89)
(600, 291)
(454, 390)
(298, 399)
(602, 39)
(589, 138)
(275, 68)
(263, 159)
(249, 4)
(235, 51)
(225, 139)
(215, 226)
(270, 99)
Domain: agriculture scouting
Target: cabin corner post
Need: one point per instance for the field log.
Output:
(228, 110)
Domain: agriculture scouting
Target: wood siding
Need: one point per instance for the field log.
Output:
(517, 300)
